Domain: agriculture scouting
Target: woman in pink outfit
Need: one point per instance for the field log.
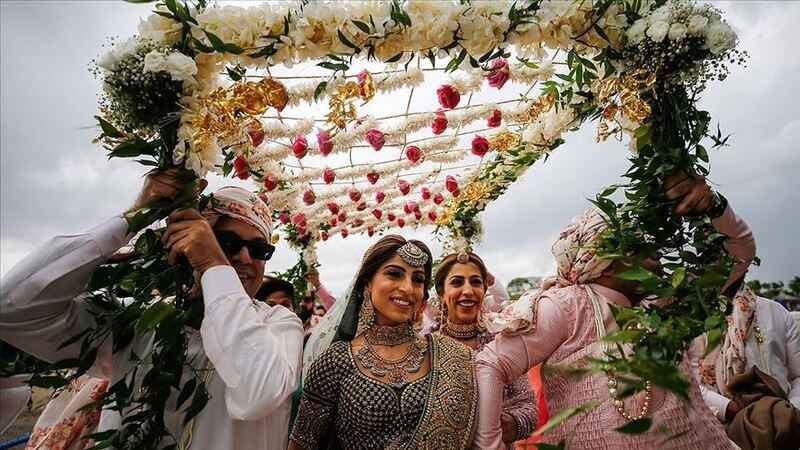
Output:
(563, 325)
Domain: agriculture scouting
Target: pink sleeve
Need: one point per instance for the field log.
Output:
(325, 297)
(509, 357)
(741, 244)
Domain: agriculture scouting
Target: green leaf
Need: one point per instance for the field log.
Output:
(544, 446)
(153, 315)
(678, 276)
(333, 66)
(361, 26)
(636, 273)
(215, 41)
(346, 41)
(269, 50)
(233, 48)
(186, 392)
(566, 414)
(637, 426)
(320, 90)
(714, 337)
(108, 129)
(455, 62)
(395, 58)
(235, 73)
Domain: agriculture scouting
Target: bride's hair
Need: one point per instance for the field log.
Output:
(447, 263)
(373, 259)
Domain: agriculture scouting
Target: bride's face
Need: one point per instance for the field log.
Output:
(397, 291)
(464, 289)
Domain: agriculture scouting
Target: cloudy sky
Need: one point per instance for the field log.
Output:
(54, 181)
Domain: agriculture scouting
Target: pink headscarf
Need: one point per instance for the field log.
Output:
(243, 205)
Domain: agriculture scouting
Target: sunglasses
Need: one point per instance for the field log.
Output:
(232, 244)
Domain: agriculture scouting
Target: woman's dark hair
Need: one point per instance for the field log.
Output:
(373, 259)
(271, 285)
(447, 263)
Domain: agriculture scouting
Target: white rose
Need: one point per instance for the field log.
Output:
(720, 37)
(155, 62)
(159, 29)
(660, 15)
(697, 24)
(636, 31)
(180, 66)
(677, 31)
(658, 31)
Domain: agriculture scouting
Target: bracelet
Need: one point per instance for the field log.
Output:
(718, 208)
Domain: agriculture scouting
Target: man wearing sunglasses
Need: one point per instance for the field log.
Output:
(253, 350)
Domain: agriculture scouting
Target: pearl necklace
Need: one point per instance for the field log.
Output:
(619, 404)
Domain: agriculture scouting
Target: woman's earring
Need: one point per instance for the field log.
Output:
(366, 315)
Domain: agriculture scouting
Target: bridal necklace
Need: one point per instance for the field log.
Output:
(460, 331)
(394, 371)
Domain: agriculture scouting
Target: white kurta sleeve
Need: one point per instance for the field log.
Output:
(792, 359)
(256, 349)
(40, 306)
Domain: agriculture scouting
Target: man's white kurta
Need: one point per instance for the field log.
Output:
(255, 349)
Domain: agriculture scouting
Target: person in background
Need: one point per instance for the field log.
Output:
(275, 291)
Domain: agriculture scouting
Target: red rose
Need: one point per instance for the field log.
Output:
(413, 153)
(241, 168)
(361, 206)
(439, 123)
(438, 198)
(498, 73)
(377, 213)
(256, 133)
(418, 215)
(343, 232)
(263, 198)
(432, 216)
(299, 146)
(357, 223)
(328, 175)
(448, 96)
(404, 187)
(390, 217)
(284, 218)
(379, 196)
(325, 143)
(450, 183)
(375, 138)
(407, 209)
(301, 230)
(456, 193)
(270, 182)
(370, 231)
(334, 221)
(299, 219)
(342, 216)
(355, 195)
(372, 177)
(495, 119)
(332, 207)
(480, 146)
(324, 235)
(426, 193)
(362, 77)
(309, 197)
(400, 222)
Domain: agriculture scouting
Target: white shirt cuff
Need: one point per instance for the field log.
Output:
(111, 235)
(219, 282)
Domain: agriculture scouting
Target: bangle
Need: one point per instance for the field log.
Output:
(718, 208)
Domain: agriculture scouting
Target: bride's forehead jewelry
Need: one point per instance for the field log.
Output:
(412, 255)
(462, 257)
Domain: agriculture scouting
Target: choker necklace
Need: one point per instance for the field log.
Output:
(389, 334)
(461, 331)
(395, 371)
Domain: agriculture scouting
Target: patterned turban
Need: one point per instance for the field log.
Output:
(240, 204)
(575, 252)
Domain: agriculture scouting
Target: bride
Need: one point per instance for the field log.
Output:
(379, 384)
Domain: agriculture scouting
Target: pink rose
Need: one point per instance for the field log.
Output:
(438, 198)
(299, 219)
(404, 187)
(426, 193)
(448, 96)
(357, 223)
(413, 153)
(342, 216)
(328, 175)
(241, 167)
(379, 196)
(332, 207)
(439, 123)
(256, 134)
(334, 221)
(372, 177)
(480, 146)
(325, 142)
(270, 182)
(343, 232)
(407, 209)
(377, 213)
(324, 235)
(495, 119)
(355, 195)
(432, 216)
(450, 183)
(362, 77)
(418, 214)
(284, 218)
(361, 206)
(376, 138)
(309, 197)
(498, 73)
(299, 146)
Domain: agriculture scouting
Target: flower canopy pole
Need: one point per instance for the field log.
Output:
(195, 89)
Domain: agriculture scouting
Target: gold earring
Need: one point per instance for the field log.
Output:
(366, 315)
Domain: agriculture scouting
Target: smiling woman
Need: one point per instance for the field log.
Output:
(381, 385)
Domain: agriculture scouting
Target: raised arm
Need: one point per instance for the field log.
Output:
(509, 357)
(740, 245)
(256, 349)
